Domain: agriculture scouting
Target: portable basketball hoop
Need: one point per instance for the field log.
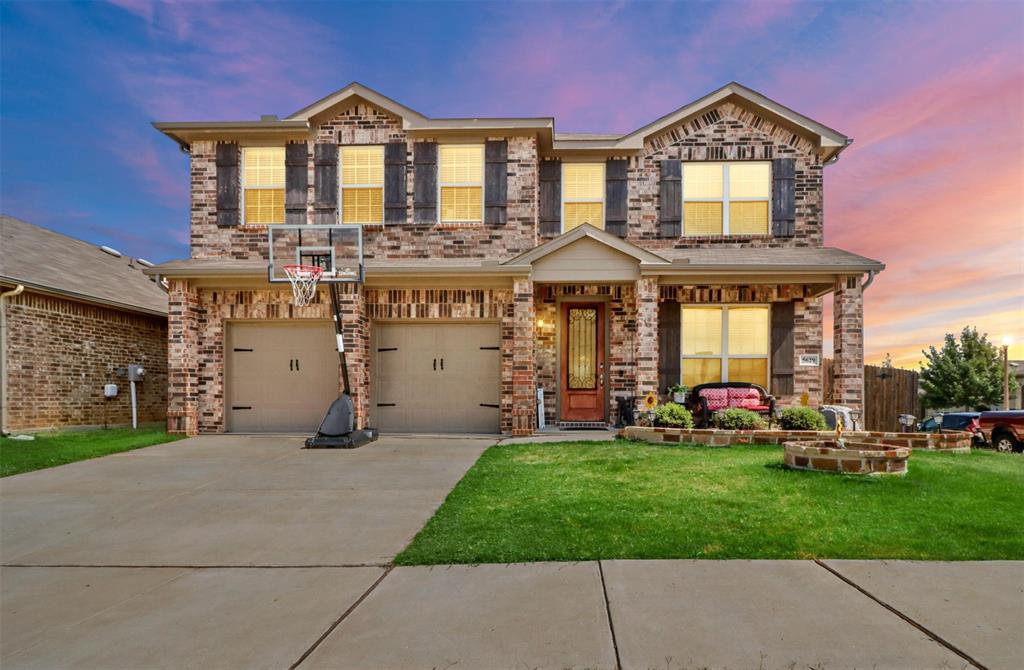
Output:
(306, 255)
(304, 280)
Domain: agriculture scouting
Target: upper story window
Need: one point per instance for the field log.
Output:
(263, 184)
(726, 198)
(362, 184)
(461, 181)
(725, 344)
(582, 195)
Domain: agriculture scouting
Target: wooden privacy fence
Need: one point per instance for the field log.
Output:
(888, 392)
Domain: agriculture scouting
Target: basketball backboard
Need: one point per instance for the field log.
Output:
(338, 249)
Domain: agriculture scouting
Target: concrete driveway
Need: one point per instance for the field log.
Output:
(244, 552)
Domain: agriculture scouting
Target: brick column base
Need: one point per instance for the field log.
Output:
(645, 352)
(848, 338)
(355, 328)
(182, 358)
(524, 383)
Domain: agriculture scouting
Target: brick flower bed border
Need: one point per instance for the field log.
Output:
(955, 442)
(856, 458)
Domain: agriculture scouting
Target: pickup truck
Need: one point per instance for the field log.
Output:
(1004, 430)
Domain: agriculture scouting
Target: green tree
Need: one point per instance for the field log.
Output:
(965, 373)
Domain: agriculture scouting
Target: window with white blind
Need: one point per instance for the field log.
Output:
(362, 184)
(461, 182)
(725, 344)
(726, 198)
(582, 195)
(263, 184)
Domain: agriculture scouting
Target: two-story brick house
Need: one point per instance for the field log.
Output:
(593, 267)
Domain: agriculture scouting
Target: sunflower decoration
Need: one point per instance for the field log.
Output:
(651, 400)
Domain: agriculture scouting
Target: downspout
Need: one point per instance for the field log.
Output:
(3, 353)
(867, 282)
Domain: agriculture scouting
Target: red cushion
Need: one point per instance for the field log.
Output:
(717, 398)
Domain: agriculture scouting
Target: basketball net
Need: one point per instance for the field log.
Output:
(304, 279)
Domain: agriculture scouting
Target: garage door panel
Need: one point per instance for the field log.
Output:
(288, 379)
(440, 376)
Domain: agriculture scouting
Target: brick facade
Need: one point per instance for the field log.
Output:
(61, 352)
(848, 332)
(526, 311)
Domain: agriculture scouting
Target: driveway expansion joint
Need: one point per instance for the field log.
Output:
(344, 615)
(938, 639)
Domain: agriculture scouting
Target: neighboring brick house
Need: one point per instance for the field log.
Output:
(82, 315)
(594, 267)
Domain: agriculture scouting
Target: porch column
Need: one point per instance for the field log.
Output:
(848, 338)
(355, 328)
(645, 347)
(182, 358)
(524, 371)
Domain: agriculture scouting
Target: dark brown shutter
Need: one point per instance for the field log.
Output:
(616, 196)
(669, 359)
(394, 182)
(496, 182)
(550, 198)
(783, 197)
(424, 199)
(296, 182)
(326, 185)
(782, 348)
(671, 199)
(228, 157)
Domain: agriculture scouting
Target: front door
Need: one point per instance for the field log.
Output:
(582, 367)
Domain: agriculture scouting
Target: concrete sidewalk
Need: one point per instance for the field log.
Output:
(615, 614)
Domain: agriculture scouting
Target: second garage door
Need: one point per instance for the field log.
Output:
(437, 378)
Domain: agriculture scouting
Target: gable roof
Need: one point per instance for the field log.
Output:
(642, 256)
(46, 260)
(829, 141)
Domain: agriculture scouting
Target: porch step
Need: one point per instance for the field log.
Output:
(582, 425)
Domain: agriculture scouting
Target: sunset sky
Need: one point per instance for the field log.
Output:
(932, 93)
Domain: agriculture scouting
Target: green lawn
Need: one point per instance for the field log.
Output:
(577, 501)
(50, 449)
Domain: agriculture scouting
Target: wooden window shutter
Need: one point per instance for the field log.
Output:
(783, 197)
(496, 181)
(669, 354)
(550, 198)
(424, 200)
(616, 197)
(228, 158)
(782, 348)
(671, 199)
(394, 182)
(326, 184)
(296, 182)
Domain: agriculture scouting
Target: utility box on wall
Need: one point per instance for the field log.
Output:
(136, 373)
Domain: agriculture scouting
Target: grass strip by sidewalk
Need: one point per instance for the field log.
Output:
(50, 449)
(582, 501)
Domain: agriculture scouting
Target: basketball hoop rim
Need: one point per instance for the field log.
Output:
(312, 270)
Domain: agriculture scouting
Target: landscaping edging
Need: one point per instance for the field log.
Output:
(956, 442)
(854, 458)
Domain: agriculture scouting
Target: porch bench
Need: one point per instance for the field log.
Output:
(706, 399)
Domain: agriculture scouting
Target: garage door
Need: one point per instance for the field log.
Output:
(437, 378)
(281, 377)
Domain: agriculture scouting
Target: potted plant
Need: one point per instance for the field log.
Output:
(678, 393)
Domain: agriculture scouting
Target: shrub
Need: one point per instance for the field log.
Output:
(737, 418)
(673, 414)
(801, 418)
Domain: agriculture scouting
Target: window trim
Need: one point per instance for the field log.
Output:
(482, 185)
(725, 199)
(725, 356)
(604, 194)
(243, 185)
(342, 186)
